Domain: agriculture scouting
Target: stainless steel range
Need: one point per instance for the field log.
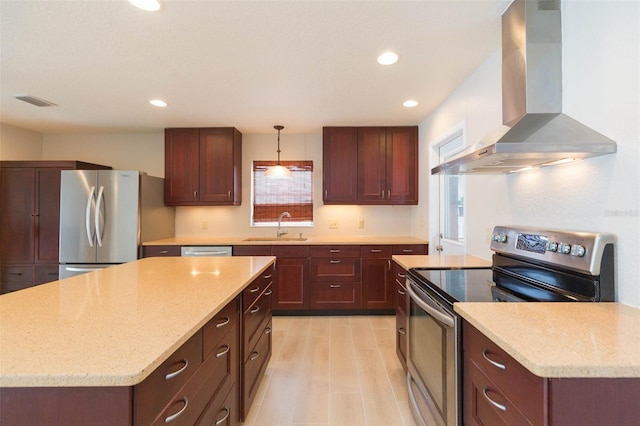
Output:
(529, 265)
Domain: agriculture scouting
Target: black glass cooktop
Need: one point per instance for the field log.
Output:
(457, 285)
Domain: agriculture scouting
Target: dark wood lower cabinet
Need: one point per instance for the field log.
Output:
(497, 390)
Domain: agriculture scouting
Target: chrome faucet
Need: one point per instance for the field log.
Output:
(280, 232)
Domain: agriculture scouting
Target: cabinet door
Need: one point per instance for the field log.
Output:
(340, 164)
(377, 285)
(181, 172)
(291, 289)
(48, 215)
(219, 166)
(371, 164)
(401, 165)
(17, 226)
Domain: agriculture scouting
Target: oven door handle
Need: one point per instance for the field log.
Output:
(431, 307)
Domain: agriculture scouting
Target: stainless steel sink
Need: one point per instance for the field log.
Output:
(276, 239)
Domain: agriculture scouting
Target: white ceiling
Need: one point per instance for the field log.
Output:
(248, 64)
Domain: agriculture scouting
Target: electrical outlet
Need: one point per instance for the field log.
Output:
(333, 224)
(205, 224)
(421, 221)
(361, 224)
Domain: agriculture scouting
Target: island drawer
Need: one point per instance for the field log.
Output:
(522, 387)
(255, 320)
(334, 251)
(222, 410)
(215, 330)
(256, 288)
(153, 393)
(335, 269)
(254, 367)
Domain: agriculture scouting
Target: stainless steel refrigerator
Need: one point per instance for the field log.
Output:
(105, 216)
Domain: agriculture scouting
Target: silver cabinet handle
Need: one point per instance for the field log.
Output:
(267, 330)
(334, 261)
(268, 292)
(401, 291)
(401, 275)
(170, 376)
(179, 413)
(229, 195)
(266, 277)
(254, 309)
(376, 251)
(254, 356)
(388, 264)
(402, 331)
(195, 195)
(226, 416)
(491, 401)
(223, 352)
(334, 251)
(407, 251)
(485, 354)
(222, 323)
(15, 273)
(253, 290)
(163, 251)
(388, 193)
(335, 285)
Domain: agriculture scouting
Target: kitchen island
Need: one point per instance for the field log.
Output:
(111, 329)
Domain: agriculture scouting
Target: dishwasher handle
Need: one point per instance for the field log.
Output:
(205, 251)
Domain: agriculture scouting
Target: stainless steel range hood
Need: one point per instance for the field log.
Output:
(535, 131)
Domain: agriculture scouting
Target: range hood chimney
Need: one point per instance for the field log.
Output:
(535, 132)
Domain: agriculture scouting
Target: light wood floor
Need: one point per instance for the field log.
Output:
(332, 370)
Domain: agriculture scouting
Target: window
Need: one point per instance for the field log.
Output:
(271, 196)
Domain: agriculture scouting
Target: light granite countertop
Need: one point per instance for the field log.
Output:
(115, 326)
(563, 339)
(440, 261)
(287, 240)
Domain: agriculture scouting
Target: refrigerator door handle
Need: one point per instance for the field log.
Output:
(87, 221)
(96, 216)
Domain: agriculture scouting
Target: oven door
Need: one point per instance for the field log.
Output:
(433, 358)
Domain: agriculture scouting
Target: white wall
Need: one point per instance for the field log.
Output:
(601, 89)
(230, 221)
(18, 144)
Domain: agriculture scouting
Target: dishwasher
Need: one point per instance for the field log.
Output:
(205, 251)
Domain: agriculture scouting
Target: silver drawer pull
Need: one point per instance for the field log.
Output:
(267, 330)
(226, 416)
(402, 331)
(254, 356)
(222, 323)
(163, 251)
(401, 292)
(485, 354)
(170, 376)
(407, 251)
(253, 290)
(334, 261)
(376, 251)
(15, 273)
(402, 275)
(491, 401)
(268, 292)
(266, 277)
(254, 309)
(334, 251)
(335, 285)
(224, 351)
(179, 413)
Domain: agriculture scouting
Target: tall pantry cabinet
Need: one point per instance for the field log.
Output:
(30, 221)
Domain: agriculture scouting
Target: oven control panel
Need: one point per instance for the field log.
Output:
(581, 251)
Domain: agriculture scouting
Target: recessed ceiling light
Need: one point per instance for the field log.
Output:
(387, 58)
(148, 5)
(158, 103)
(410, 103)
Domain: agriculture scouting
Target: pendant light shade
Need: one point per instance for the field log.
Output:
(278, 171)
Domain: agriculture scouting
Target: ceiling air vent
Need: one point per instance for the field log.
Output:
(35, 101)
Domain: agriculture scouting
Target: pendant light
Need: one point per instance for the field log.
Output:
(278, 171)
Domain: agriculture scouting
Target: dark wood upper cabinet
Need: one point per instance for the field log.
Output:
(203, 166)
(370, 165)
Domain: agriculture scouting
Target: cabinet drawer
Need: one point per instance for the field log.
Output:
(256, 288)
(336, 295)
(334, 251)
(290, 251)
(252, 250)
(254, 367)
(152, 395)
(46, 273)
(335, 269)
(399, 275)
(375, 252)
(222, 410)
(486, 403)
(155, 251)
(522, 387)
(17, 273)
(255, 320)
(410, 248)
(215, 330)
